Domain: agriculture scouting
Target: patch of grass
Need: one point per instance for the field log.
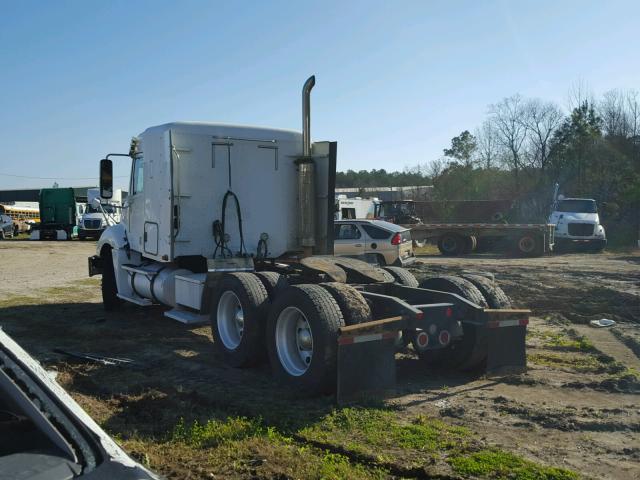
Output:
(15, 300)
(503, 465)
(424, 443)
(216, 432)
(428, 249)
(580, 362)
(565, 341)
(375, 432)
(242, 447)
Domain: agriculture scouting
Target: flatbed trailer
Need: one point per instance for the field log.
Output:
(525, 239)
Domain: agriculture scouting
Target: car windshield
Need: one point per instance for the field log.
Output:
(578, 206)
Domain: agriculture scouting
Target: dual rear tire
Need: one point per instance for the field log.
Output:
(300, 323)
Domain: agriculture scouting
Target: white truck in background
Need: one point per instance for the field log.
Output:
(98, 214)
(577, 223)
(352, 208)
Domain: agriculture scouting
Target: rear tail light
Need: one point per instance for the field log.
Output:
(444, 337)
(397, 239)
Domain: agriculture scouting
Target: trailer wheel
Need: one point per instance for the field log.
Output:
(302, 338)
(470, 352)
(388, 278)
(238, 316)
(493, 294)
(273, 282)
(470, 244)
(529, 245)
(451, 244)
(109, 288)
(402, 276)
(353, 306)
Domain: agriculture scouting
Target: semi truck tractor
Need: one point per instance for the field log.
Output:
(233, 226)
(99, 214)
(577, 224)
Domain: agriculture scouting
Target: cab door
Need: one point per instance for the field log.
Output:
(135, 205)
(349, 240)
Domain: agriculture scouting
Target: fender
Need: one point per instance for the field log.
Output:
(115, 236)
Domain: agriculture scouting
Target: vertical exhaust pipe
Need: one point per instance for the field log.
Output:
(306, 176)
(306, 115)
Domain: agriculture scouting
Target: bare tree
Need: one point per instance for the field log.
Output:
(511, 134)
(435, 168)
(487, 145)
(633, 114)
(579, 93)
(541, 119)
(613, 111)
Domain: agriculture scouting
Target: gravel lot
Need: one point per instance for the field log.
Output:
(577, 407)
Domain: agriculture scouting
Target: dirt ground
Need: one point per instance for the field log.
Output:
(577, 407)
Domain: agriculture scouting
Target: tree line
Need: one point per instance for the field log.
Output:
(527, 145)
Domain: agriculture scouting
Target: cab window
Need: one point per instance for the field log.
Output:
(137, 178)
(347, 232)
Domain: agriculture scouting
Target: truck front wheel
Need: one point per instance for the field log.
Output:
(110, 298)
(302, 334)
(237, 318)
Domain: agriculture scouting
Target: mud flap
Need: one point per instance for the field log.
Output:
(366, 366)
(506, 349)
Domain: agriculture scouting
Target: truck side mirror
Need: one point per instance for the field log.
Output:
(106, 178)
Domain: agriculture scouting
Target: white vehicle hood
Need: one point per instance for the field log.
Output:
(574, 217)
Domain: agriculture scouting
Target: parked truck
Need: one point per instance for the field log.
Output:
(233, 226)
(57, 215)
(98, 214)
(352, 208)
(459, 238)
(577, 223)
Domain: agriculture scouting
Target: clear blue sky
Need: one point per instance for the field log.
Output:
(395, 80)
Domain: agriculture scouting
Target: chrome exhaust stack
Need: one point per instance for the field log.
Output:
(306, 176)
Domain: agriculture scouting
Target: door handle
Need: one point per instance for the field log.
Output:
(358, 245)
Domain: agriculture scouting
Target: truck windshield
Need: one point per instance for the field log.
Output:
(107, 209)
(399, 208)
(578, 206)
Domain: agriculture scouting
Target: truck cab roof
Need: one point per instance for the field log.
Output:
(244, 132)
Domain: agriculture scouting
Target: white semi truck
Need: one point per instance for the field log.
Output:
(99, 213)
(352, 208)
(233, 226)
(577, 224)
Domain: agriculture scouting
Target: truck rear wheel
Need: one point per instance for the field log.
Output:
(353, 306)
(109, 288)
(470, 244)
(273, 282)
(451, 244)
(238, 313)
(402, 276)
(302, 333)
(470, 351)
(528, 245)
(493, 294)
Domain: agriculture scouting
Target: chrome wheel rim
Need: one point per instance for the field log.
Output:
(230, 320)
(294, 341)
